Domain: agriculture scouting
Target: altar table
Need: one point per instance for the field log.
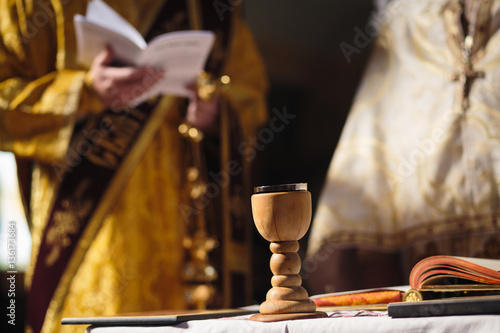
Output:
(351, 321)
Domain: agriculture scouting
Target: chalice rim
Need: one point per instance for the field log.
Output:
(290, 187)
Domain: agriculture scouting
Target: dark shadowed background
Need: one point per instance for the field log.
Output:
(314, 58)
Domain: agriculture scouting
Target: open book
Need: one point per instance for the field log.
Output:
(447, 285)
(182, 54)
(433, 278)
(448, 272)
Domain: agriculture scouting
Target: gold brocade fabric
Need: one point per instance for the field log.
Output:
(134, 263)
(415, 169)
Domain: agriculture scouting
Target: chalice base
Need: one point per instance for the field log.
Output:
(287, 316)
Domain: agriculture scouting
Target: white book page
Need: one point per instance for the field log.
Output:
(182, 55)
(93, 38)
(101, 13)
(493, 264)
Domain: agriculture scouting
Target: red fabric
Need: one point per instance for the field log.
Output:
(376, 297)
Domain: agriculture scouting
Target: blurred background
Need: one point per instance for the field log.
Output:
(310, 76)
(304, 46)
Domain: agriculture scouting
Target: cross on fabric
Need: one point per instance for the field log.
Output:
(467, 77)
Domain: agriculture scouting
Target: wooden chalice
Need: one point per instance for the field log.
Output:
(282, 215)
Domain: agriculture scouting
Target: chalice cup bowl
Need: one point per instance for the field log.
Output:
(282, 215)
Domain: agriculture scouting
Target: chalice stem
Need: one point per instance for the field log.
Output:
(287, 294)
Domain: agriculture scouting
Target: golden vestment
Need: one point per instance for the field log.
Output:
(134, 263)
(417, 167)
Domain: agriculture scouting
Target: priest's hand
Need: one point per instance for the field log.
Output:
(200, 113)
(118, 86)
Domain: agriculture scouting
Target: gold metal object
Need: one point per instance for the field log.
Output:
(190, 132)
(412, 295)
(208, 86)
(225, 79)
(198, 273)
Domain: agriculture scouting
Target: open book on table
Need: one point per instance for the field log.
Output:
(182, 54)
(439, 286)
(432, 278)
(444, 273)
(447, 285)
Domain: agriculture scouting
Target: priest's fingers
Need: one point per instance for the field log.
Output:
(202, 114)
(101, 67)
(115, 84)
(125, 92)
(105, 57)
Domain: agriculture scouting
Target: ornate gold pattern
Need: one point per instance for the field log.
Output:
(67, 221)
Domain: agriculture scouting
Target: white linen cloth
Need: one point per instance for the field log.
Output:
(455, 324)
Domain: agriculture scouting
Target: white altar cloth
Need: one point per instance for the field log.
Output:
(379, 323)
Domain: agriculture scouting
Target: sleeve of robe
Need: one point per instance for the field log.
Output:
(39, 96)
